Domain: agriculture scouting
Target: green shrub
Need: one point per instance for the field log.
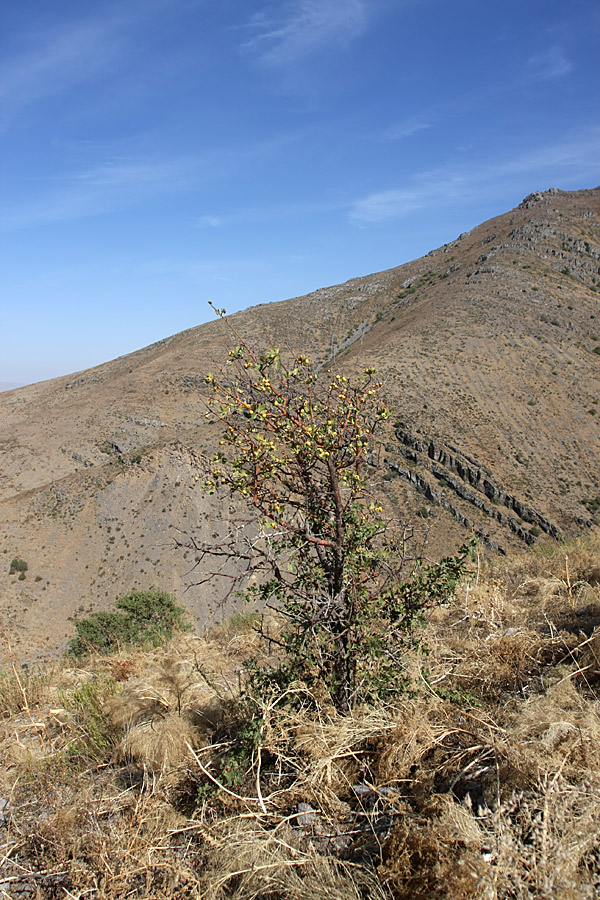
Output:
(140, 618)
(18, 565)
(298, 449)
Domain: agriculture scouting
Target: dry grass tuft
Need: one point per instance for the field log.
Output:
(249, 862)
(160, 746)
(165, 713)
(545, 844)
(571, 566)
(142, 775)
(22, 690)
(438, 855)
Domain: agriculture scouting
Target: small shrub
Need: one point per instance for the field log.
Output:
(18, 565)
(146, 618)
(333, 569)
(592, 504)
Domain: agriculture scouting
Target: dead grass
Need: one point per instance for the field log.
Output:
(571, 567)
(249, 861)
(135, 777)
(545, 843)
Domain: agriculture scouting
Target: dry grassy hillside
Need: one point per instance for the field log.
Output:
(491, 355)
(128, 775)
(490, 351)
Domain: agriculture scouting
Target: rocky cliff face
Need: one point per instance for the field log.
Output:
(466, 482)
(489, 348)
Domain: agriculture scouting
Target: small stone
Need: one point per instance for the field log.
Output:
(590, 609)
(361, 790)
(558, 733)
(307, 815)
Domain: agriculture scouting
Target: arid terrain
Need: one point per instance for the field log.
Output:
(134, 774)
(489, 348)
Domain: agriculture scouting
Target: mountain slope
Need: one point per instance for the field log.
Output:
(490, 351)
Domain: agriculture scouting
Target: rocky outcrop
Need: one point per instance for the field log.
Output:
(469, 481)
(424, 487)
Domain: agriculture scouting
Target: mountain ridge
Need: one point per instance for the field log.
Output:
(487, 346)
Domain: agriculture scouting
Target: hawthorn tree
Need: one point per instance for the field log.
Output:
(297, 447)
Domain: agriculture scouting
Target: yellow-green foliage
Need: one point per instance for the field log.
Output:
(296, 447)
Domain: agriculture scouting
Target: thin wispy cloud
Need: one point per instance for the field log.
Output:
(428, 188)
(43, 62)
(209, 222)
(576, 159)
(304, 27)
(121, 182)
(545, 66)
(131, 173)
(56, 61)
(409, 127)
(111, 186)
(578, 154)
(272, 213)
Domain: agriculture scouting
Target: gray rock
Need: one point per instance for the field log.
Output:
(590, 609)
(307, 815)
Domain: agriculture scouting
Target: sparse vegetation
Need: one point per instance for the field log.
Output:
(140, 618)
(131, 776)
(18, 566)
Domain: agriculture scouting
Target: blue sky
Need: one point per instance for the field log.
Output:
(157, 154)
